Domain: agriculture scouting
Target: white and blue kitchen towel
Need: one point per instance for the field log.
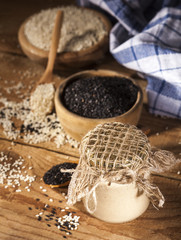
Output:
(146, 37)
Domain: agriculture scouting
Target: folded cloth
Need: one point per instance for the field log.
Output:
(147, 38)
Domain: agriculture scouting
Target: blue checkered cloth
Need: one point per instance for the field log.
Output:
(146, 37)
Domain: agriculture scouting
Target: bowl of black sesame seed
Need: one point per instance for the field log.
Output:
(89, 98)
(84, 37)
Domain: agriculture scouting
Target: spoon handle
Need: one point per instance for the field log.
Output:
(48, 74)
(55, 40)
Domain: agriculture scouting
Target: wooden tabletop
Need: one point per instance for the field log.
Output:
(26, 214)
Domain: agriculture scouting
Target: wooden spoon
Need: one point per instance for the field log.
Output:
(42, 99)
(47, 77)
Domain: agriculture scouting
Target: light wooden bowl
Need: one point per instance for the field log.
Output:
(77, 126)
(70, 59)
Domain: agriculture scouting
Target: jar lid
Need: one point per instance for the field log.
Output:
(114, 146)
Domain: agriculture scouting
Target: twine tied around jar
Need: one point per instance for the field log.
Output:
(117, 153)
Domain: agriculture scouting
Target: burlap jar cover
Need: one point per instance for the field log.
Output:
(119, 153)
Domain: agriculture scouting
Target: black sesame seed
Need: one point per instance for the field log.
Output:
(54, 176)
(100, 97)
(37, 199)
(48, 225)
(39, 218)
(30, 208)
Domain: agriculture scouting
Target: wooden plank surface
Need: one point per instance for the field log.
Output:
(17, 220)
(18, 210)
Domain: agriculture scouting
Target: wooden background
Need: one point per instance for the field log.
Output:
(17, 221)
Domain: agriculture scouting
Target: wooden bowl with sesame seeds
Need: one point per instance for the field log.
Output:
(74, 58)
(77, 126)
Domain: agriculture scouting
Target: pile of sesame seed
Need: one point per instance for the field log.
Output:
(81, 29)
(13, 173)
(33, 128)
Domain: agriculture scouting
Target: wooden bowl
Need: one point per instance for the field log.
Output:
(70, 59)
(77, 126)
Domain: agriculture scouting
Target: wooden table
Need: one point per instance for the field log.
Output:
(19, 211)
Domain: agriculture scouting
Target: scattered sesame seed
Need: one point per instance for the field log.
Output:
(35, 128)
(18, 190)
(11, 173)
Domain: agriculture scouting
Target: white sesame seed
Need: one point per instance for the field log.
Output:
(18, 190)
